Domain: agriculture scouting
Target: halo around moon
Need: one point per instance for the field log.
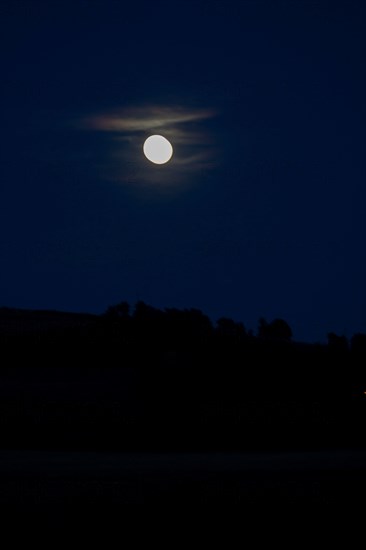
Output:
(158, 149)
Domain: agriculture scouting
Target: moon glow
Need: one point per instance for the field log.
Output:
(158, 149)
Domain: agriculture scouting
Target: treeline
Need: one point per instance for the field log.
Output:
(144, 377)
(148, 337)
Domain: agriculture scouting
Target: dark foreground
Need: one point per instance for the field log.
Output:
(56, 488)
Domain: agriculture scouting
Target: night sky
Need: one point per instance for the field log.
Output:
(262, 209)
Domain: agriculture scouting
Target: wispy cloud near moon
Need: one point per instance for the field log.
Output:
(147, 119)
(186, 128)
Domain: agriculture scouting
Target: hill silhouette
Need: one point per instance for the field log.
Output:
(171, 379)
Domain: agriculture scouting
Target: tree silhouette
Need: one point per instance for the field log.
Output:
(188, 325)
(145, 313)
(337, 343)
(358, 343)
(120, 311)
(278, 329)
(228, 328)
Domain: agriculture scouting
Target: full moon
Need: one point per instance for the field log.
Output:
(158, 149)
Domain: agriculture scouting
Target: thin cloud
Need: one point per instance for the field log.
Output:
(146, 119)
(186, 128)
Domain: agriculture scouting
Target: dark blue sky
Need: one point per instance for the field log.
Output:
(261, 211)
